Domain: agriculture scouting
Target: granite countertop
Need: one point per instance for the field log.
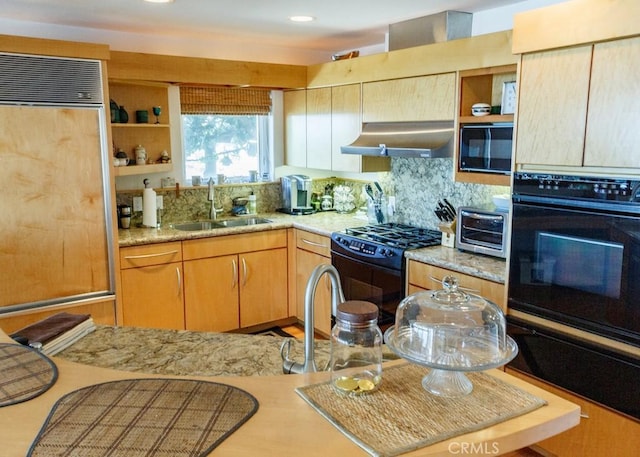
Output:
(324, 223)
(189, 353)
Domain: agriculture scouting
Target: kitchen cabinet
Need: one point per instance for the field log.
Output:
(601, 431)
(331, 120)
(585, 116)
(313, 250)
(422, 98)
(422, 276)
(319, 128)
(154, 137)
(151, 279)
(295, 127)
(235, 281)
(482, 85)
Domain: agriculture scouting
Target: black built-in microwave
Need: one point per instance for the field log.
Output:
(486, 147)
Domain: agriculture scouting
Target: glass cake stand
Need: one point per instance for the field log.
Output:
(450, 332)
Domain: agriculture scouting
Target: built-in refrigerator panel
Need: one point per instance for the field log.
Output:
(56, 240)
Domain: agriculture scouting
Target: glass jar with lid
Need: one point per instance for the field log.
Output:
(356, 348)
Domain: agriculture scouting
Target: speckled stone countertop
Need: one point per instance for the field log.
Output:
(183, 353)
(324, 223)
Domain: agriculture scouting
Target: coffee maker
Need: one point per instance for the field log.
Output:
(124, 216)
(296, 194)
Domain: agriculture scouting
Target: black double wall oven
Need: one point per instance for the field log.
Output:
(574, 285)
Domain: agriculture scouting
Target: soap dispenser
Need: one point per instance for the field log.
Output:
(252, 204)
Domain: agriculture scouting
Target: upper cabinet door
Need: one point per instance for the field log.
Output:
(423, 98)
(295, 127)
(319, 128)
(552, 107)
(613, 136)
(345, 126)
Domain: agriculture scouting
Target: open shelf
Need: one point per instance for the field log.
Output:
(132, 170)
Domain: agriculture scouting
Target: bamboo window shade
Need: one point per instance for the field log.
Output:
(223, 100)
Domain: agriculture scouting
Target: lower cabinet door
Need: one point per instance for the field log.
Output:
(305, 263)
(211, 294)
(152, 296)
(263, 286)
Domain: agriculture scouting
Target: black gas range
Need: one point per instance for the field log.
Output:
(383, 244)
(370, 261)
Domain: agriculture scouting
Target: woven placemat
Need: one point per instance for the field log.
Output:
(144, 417)
(24, 373)
(401, 416)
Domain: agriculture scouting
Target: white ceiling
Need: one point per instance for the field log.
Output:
(339, 25)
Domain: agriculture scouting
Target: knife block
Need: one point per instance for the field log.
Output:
(448, 230)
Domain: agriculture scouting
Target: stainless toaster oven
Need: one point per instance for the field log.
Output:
(483, 231)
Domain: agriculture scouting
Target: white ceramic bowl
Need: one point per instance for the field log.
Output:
(481, 109)
(502, 201)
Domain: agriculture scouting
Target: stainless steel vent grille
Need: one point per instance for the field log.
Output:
(36, 79)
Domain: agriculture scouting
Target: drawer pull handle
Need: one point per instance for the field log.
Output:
(584, 416)
(466, 289)
(179, 281)
(147, 256)
(313, 243)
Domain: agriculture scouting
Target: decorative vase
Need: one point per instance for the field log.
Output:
(115, 112)
(124, 116)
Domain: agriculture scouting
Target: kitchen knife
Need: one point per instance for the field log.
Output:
(451, 215)
(451, 207)
(445, 211)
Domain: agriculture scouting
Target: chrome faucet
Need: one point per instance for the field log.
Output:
(337, 297)
(213, 213)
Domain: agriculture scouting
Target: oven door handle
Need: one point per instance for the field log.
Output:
(620, 207)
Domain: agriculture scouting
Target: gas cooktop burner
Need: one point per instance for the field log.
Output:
(397, 235)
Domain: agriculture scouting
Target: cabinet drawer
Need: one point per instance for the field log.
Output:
(234, 244)
(313, 242)
(421, 274)
(150, 254)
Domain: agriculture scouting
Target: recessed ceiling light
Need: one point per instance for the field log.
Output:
(159, 1)
(301, 18)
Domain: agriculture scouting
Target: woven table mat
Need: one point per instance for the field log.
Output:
(401, 416)
(136, 417)
(24, 373)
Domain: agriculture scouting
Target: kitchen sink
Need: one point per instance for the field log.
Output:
(222, 223)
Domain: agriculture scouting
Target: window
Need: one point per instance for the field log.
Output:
(226, 132)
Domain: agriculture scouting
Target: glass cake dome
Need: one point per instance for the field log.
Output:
(451, 332)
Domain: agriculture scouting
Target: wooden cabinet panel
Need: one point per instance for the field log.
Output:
(306, 261)
(319, 128)
(313, 242)
(211, 294)
(234, 244)
(263, 287)
(600, 432)
(152, 296)
(613, 136)
(295, 127)
(552, 107)
(428, 277)
(423, 98)
(150, 254)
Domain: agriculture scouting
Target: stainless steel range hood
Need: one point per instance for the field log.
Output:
(429, 140)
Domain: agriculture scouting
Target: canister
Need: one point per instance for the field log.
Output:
(356, 349)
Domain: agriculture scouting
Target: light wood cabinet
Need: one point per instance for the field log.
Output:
(154, 137)
(235, 281)
(151, 279)
(552, 107)
(422, 276)
(482, 85)
(346, 125)
(575, 106)
(332, 119)
(295, 127)
(313, 250)
(600, 432)
(422, 98)
(319, 128)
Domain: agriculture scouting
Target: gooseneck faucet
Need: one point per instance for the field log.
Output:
(337, 297)
(213, 213)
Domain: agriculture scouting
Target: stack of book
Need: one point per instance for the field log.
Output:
(57, 332)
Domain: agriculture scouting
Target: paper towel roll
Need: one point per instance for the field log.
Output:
(149, 213)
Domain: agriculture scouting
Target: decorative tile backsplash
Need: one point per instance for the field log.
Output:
(416, 183)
